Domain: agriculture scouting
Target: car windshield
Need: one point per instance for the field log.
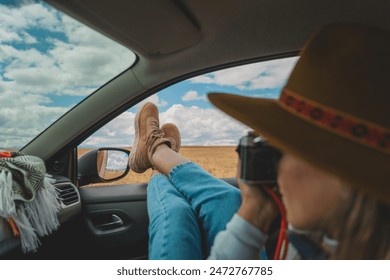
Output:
(48, 64)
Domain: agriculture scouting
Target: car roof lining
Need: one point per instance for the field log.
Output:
(165, 26)
(153, 27)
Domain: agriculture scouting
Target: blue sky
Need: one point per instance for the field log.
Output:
(49, 63)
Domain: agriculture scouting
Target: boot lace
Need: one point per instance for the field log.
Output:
(155, 132)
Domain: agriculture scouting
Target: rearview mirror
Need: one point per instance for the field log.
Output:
(103, 165)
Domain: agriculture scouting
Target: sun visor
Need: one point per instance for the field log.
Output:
(154, 27)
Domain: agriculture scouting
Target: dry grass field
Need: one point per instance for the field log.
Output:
(218, 160)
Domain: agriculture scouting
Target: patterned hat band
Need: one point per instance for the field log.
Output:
(340, 123)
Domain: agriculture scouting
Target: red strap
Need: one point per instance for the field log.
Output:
(282, 243)
(5, 154)
(13, 226)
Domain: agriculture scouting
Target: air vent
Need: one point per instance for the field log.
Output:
(67, 194)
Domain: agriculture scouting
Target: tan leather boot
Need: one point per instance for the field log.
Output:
(172, 133)
(148, 136)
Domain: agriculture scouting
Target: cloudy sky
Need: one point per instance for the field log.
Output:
(49, 63)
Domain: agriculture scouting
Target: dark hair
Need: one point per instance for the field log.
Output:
(365, 231)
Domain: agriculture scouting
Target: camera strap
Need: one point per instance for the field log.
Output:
(282, 243)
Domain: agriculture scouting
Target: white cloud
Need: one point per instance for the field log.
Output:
(201, 126)
(64, 67)
(192, 95)
(154, 99)
(9, 36)
(86, 58)
(197, 126)
(117, 133)
(74, 62)
(262, 75)
(30, 15)
(22, 118)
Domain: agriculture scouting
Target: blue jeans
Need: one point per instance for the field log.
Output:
(186, 211)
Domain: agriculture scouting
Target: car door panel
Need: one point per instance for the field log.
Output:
(115, 215)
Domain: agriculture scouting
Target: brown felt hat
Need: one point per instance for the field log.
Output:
(334, 111)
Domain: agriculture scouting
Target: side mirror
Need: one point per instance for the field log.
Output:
(103, 165)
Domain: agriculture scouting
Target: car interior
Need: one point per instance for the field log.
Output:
(173, 40)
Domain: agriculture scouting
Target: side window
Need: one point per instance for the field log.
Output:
(209, 137)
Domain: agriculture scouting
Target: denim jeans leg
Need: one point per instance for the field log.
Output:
(213, 200)
(173, 227)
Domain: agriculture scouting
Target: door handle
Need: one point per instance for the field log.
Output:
(115, 223)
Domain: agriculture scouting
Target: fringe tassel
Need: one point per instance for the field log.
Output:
(7, 204)
(28, 236)
(35, 215)
(36, 218)
(44, 219)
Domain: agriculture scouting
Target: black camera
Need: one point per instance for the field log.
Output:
(259, 160)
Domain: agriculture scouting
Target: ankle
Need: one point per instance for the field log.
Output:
(154, 172)
(158, 153)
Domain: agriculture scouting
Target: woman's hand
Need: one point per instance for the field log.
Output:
(256, 207)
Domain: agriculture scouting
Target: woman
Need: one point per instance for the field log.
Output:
(332, 124)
